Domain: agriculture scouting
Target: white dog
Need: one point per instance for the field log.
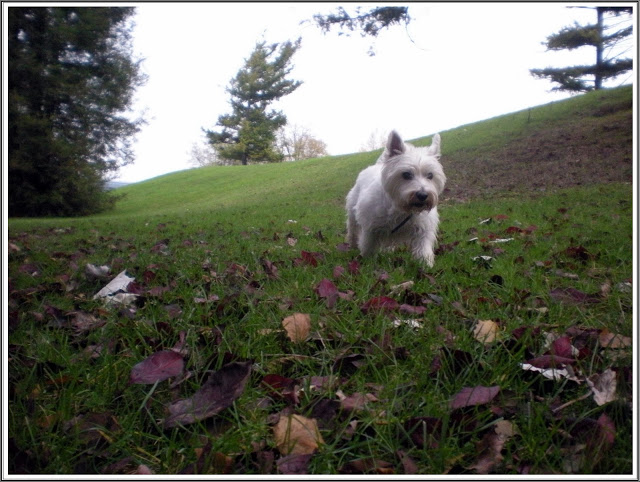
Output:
(395, 200)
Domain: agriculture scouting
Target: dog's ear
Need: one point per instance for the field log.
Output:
(434, 148)
(395, 145)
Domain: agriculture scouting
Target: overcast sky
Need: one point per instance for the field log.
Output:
(455, 64)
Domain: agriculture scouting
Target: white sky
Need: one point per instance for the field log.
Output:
(467, 62)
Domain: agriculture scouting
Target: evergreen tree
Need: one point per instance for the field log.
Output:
(583, 78)
(71, 79)
(369, 23)
(249, 133)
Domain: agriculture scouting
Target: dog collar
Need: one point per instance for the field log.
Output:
(401, 224)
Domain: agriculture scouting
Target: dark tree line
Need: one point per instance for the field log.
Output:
(71, 81)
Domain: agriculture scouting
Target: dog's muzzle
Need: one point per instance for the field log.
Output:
(422, 200)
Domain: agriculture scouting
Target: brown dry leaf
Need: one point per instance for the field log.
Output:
(297, 326)
(220, 390)
(368, 466)
(297, 435)
(612, 340)
(485, 331)
(357, 401)
(83, 322)
(490, 447)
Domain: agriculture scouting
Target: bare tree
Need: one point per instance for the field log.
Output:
(376, 140)
(204, 154)
(296, 143)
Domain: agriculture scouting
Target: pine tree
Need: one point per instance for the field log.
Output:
(249, 133)
(583, 78)
(71, 80)
(369, 23)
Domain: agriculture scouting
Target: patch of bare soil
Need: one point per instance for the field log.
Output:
(595, 148)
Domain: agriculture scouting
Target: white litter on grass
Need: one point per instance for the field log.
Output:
(116, 290)
(501, 240)
(411, 323)
(482, 258)
(96, 272)
(552, 373)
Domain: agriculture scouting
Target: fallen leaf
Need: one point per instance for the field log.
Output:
(294, 464)
(383, 303)
(144, 470)
(413, 310)
(297, 326)
(368, 465)
(282, 387)
(561, 347)
(402, 287)
(471, 396)
(83, 322)
(326, 288)
(550, 361)
(310, 258)
(578, 252)
(485, 331)
(607, 430)
(209, 299)
(490, 447)
(297, 435)
(409, 466)
(220, 390)
(603, 386)
(270, 269)
(612, 340)
(356, 401)
(573, 296)
(348, 364)
(157, 367)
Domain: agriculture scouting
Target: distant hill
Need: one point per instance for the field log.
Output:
(583, 140)
(116, 184)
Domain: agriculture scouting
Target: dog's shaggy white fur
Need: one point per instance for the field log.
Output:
(395, 201)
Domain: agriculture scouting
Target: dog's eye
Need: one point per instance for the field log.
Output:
(430, 175)
(408, 175)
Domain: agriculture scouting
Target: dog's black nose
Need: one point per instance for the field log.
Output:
(422, 196)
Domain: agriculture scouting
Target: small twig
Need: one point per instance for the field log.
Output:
(571, 402)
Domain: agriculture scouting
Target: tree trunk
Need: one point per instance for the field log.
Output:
(599, 48)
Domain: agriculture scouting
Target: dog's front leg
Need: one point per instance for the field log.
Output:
(423, 249)
(368, 243)
(352, 230)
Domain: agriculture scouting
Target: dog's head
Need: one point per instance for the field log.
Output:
(412, 176)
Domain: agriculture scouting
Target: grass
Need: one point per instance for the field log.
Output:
(208, 232)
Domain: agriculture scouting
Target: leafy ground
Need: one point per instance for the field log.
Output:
(253, 341)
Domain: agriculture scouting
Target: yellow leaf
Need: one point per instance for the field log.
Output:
(297, 435)
(297, 326)
(485, 331)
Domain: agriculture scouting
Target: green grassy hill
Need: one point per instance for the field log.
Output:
(584, 140)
